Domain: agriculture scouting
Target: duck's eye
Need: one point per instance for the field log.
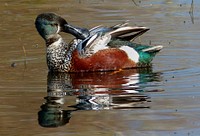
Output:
(53, 25)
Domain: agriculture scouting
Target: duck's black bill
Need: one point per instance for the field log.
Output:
(80, 33)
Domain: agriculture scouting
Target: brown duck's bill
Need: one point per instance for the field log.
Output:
(80, 33)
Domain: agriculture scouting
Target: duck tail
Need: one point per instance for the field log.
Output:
(147, 55)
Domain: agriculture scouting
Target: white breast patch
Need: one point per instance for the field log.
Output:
(132, 54)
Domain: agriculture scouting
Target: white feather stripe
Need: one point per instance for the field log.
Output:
(128, 28)
(132, 54)
(153, 48)
(96, 27)
(101, 43)
(91, 39)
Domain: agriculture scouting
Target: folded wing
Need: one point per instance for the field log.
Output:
(100, 36)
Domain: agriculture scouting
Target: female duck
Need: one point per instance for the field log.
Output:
(97, 49)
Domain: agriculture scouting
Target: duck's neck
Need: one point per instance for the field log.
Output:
(58, 54)
(52, 39)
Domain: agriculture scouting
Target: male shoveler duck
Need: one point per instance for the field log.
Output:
(98, 49)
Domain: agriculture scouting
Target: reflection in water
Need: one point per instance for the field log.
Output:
(191, 12)
(51, 114)
(93, 91)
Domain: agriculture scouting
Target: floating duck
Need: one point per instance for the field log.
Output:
(97, 49)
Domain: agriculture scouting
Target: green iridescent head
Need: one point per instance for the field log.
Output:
(49, 23)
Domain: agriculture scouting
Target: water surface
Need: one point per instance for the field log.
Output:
(163, 100)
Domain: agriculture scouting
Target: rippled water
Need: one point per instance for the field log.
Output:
(163, 100)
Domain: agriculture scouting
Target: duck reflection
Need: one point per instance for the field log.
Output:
(93, 91)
